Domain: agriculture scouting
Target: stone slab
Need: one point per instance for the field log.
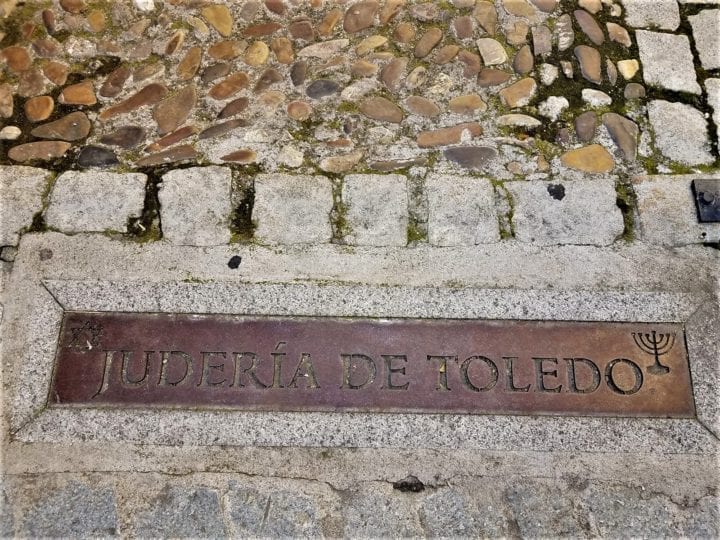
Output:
(21, 193)
(667, 61)
(681, 132)
(706, 31)
(712, 87)
(662, 14)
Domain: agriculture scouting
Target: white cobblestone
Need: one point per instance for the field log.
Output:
(461, 211)
(195, 206)
(667, 61)
(680, 132)
(377, 209)
(662, 14)
(706, 31)
(21, 191)
(95, 201)
(576, 212)
(292, 209)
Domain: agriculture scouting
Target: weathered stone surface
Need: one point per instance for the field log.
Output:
(530, 502)
(471, 157)
(124, 137)
(31, 83)
(299, 110)
(71, 127)
(72, 511)
(183, 152)
(172, 112)
(324, 50)
(10, 133)
(467, 104)
(564, 31)
(492, 77)
(257, 54)
(377, 209)
(56, 73)
(381, 109)
(360, 15)
(542, 40)
(39, 108)
(589, 26)
(22, 189)
(302, 29)
(590, 159)
(322, 88)
(634, 91)
(421, 106)
(681, 132)
(464, 27)
(172, 138)
(243, 155)
(236, 106)
(221, 129)
(579, 212)
(219, 17)
(492, 52)
(427, 42)
(486, 16)
(342, 163)
(227, 50)
(667, 61)
(449, 135)
(390, 10)
(595, 98)
(520, 8)
(472, 63)
(182, 512)
(523, 62)
(706, 31)
(229, 86)
(624, 133)
(115, 82)
(519, 94)
(618, 34)
(149, 95)
(283, 49)
(41, 150)
(445, 54)
(404, 32)
(518, 120)
(392, 72)
(590, 63)
(553, 107)
(712, 86)
(97, 156)
(195, 206)
(585, 125)
(662, 14)
(461, 211)
(262, 29)
(292, 209)
(17, 58)
(95, 201)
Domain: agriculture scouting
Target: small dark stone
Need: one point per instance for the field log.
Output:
(236, 106)
(707, 199)
(234, 262)
(409, 484)
(634, 91)
(298, 72)
(321, 88)
(585, 125)
(471, 157)
(269, 77)
(124, 137)
(556, 191)
(221, 129)
(215, 71)
(46, 254)
(96, 156)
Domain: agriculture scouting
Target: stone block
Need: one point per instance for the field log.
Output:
(662, 14)
(681, 132)
(77, 510)
(668, 215)
(380, 514)
(95, 201)
(445, 513)
(667, 61)
(21, 191)
(461, 211)
(712, 86)
(182, 512)
(377, 209)
(706, 31)
(579, 212)
(195, 206)
(292, 209)
(542, 510)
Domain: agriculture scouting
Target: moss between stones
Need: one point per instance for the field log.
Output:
(627, 202)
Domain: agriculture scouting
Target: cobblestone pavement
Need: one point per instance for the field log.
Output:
(517, 127)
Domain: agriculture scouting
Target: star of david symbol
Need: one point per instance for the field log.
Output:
(86, 337)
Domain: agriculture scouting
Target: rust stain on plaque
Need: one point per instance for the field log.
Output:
(397, 365)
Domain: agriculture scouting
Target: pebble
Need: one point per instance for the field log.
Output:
(302, 29)
(518, 94)
(467, 104)
(396, 164)
(244, 155)
(229, 86)
(464, 27)
(546, 6)
(257, 54)
(149, 95)
(234, 107)
(548, 74)
(590, 63)
(516, 34)
(214, 72)
(10, 133)
(144, 5)
(6, 100)
(173, 155)
(596, 98)
(341, 164)
(445, 54)
(369, 44)
(634, 91)
(360, 15)
(188, 66)
(115, 82)
(71, 127)
(567, 69)
(591, 159)
(381, 109)
(564, 31)
(276, 6)
(172, 138)
(589, 26)
(392, 72)
(221, 129)
(227, 50)
(591, 6)
(147, 71)
(291, 157)
(322, 88)
(553, 107)
(324, 50)
(172, 112)
(390, 10)
(298, 72)
(48, 19)
(363, 68)
(97, 156)
(174, 43)
(299, 110)
(41, 150)
(327, 26)
(72, 6)
(31, 83)
(283, 50)
(260, 30)
(124, 137)
(427, 11)
(542, 40)
(404, 32)
(486, 16)
(628, 68)
(612, 72)
(492, 77)
(421, 106)
(219, 17)
(524, 61)
(427, 42)
(518, 120)
(492, 52)
(78, 94)
(471, 157)
(585, 125)
(624, 133)
(249, 10)
(56, 72)
(520, 8)
(269, 77)
(618, 34)
(39, 108)
(449, 135)
(471, 61)
(46, 48)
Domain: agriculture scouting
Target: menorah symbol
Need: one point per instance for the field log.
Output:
(656, 345)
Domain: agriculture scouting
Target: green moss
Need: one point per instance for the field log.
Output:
(348, 107)
(338, 215)
(415, 233)
(627, 202)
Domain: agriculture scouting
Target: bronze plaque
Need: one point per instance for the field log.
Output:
(395, 365)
